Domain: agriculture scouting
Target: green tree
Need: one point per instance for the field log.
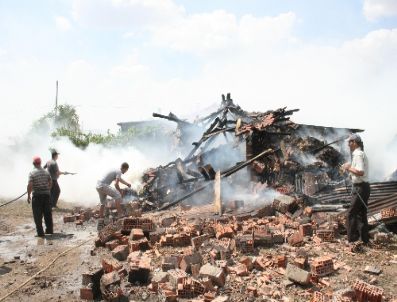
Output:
(67, 118)
(66, 123)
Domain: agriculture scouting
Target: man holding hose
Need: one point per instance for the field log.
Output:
(356, 220)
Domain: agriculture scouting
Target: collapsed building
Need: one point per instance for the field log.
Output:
(249, 148)
(244, 226)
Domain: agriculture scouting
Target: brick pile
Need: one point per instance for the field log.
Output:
(388, 213)
(207, 258)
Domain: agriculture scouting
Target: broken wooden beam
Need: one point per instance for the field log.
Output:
(227, 173)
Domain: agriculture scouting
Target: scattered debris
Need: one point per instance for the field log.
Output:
(242, 224)
(372, 270)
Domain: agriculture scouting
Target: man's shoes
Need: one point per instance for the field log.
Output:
(49, 233)
(369, 244)
(356, 247)
(40, 235)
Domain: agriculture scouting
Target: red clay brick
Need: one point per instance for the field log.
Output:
(112, 244)
(367, 292)
(282, 261)
(110, 265)
(86, 293)
(295, 239)
(306, 229)
(68, 218)
(120, 252)
(136, 234)
(322, 266)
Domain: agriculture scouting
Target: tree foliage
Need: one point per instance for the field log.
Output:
(66, 123)
(65, 117)
(81, 139)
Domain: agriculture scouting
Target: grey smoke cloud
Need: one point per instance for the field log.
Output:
(89, 164)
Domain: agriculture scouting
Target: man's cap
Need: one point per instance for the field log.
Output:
(354, 137)
(36, 160)
(54, 152)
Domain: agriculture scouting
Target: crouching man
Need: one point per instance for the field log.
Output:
(104, 188)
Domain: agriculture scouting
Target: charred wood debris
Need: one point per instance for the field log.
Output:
(253, 212)
(296, 158)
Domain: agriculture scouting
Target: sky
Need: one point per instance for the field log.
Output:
(122, 60)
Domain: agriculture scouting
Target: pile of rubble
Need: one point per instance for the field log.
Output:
(192, 254)
(189, 237)
(80, 215)
(288, 157)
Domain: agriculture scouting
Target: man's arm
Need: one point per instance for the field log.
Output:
(125, 183)
(61, 173)
(355, 171)
(29, 189)
(359, 170)
(58, 172)
(117, 186)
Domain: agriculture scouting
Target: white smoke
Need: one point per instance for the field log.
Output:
(89, 164)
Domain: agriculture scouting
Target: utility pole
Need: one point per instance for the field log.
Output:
(56, 100)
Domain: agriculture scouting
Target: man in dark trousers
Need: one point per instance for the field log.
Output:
(53, 169)
(356, 220)
(40, 184)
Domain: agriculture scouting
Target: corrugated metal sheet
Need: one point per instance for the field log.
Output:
(383, 195)
(377, 205)
(378, 190)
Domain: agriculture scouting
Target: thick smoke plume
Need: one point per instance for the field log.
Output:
(90, 165)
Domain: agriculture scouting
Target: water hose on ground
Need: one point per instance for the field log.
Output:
(15, 199)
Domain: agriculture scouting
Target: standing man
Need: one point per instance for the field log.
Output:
(356, 220)
(53, 169)
(40, 184)
(104, 189)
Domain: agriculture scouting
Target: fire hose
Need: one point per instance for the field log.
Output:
(362, 201)
(15, 199)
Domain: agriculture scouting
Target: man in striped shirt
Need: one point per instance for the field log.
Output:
(40, 184)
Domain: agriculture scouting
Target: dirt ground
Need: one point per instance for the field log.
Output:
(22, 255)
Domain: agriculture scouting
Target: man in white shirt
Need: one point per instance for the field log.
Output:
(356, 220)
(104, 189)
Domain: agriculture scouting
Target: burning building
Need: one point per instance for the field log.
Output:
(265, 175)
(249, 149)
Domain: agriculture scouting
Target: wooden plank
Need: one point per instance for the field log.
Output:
(217, 194)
